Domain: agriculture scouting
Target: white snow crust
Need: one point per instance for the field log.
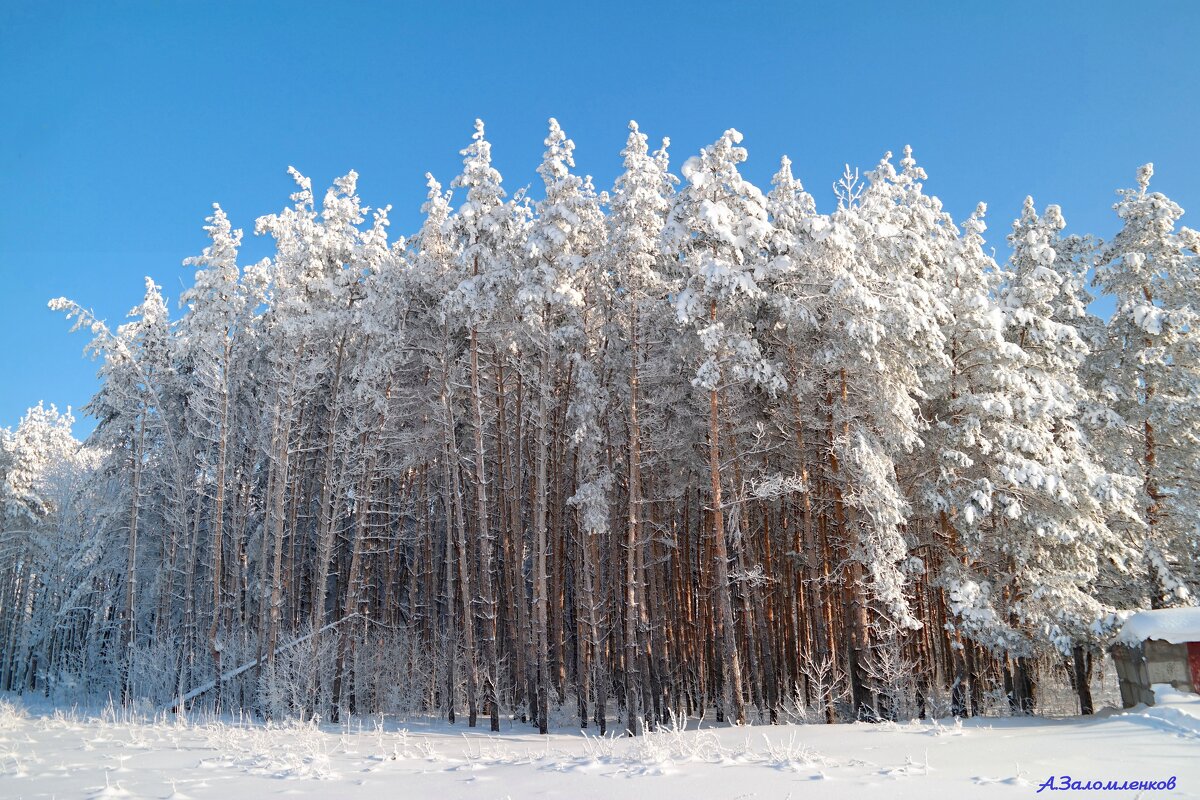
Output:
(46, 753)
(1174, 625)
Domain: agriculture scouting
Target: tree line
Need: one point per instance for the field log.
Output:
(684, 447)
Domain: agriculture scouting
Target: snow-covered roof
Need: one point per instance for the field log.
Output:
(1174, 625)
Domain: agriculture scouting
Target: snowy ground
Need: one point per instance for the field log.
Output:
(65, 755)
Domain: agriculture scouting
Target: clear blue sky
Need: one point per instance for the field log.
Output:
(120, 123)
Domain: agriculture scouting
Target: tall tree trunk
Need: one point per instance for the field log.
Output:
(457, 527)
(218, 525)
(540, 587)
(514, 536)
(633, 681)
(726, 632)
(491, 662)
(353, 580)
(1159, 595)
(1081, 668)
(131, 559)
(320, 589)
(281, 457)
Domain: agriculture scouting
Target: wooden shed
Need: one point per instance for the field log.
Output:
(1156, 647)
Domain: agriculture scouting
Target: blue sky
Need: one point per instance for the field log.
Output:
(120, 123)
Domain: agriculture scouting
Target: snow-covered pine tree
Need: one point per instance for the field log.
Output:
(42, 470)
(1049, 556)
(550, 305)
(1149, 381)
(433, 278)
(879, 343)
(485, 240)
(218, 314)
(634, 261)
(794, 296)
(719, 230)
(133, 421)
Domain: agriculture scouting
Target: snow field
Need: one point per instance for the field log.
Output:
(57, 754)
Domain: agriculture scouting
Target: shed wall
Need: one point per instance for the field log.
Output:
(1154, 661)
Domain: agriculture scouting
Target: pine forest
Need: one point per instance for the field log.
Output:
(683, 447)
